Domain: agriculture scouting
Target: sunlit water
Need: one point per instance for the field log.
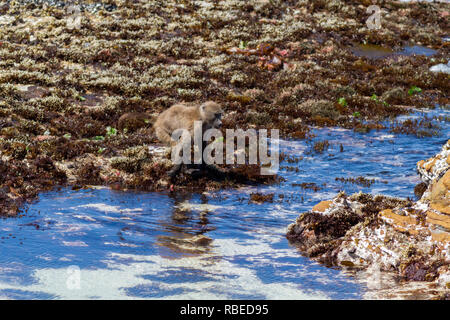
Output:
(210, 246)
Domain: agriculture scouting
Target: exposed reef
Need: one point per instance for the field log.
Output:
(411, 239)
(67, 79)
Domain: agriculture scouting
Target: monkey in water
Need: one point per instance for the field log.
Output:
(180, 116)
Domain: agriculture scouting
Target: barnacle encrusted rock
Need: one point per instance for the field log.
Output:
(436, 166)
(411, 239)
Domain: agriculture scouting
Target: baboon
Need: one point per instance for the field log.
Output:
(180, 116)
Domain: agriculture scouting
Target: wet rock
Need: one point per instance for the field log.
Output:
(83, 5)
(440, 194)
(395, 96)
(419, 189)
(371, 51)
(362, 231)
(417, 50)
(320, 232)
(89, 173)
(322, 206)
(436, 174)
(433, 168)
(321, 108)
(189, 244)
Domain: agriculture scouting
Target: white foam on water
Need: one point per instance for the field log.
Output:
(187, 206)
(106, 208)
(222, 276)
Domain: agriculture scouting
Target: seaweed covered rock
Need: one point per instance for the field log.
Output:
(321, 232)
(409, 238)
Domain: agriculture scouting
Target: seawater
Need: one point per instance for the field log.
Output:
(103, 244)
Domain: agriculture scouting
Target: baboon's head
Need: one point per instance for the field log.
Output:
(211, 114)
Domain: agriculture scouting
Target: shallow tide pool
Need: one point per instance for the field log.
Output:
(105, 244)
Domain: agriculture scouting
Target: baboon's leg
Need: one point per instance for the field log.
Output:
(177, 146)
(164, 137)
(212, 169)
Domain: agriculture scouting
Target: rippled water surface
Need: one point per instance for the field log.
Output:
(208, 246)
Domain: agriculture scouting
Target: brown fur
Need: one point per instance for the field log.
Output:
(180, 116)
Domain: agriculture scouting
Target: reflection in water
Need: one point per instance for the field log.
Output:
(210, 245)
(187, 231)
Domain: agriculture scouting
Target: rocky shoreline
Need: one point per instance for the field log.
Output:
(272, 64)
(411, 239)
